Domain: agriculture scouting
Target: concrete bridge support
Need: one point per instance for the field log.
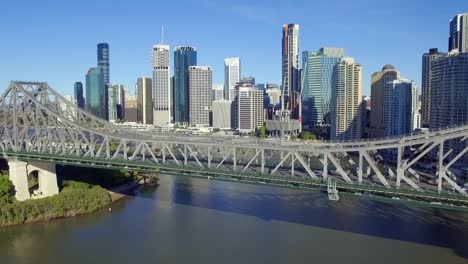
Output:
(47, 177)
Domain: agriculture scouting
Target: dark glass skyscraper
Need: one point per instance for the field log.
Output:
(80, 101)
(103, 60)
(96, 102)
(184, 57)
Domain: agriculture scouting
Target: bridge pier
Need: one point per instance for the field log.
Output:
(47, 178)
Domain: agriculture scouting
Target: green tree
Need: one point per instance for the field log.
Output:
(263, 131)
(306, 135)
(6, 190)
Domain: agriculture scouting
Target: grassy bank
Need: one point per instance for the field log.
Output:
(82, 191)
(70, 202)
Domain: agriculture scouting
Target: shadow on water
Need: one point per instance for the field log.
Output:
(397, 221)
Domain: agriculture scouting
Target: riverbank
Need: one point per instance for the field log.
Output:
(124, 190)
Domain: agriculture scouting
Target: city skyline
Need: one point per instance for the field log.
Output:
(261, 58)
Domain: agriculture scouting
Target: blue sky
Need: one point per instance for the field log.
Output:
(55, 40)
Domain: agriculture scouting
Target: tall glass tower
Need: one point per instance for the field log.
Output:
(80, 101)
(317, 85)
(184, 57)
(290, 69)
(458, 39)
(103, 60)
(96, 93)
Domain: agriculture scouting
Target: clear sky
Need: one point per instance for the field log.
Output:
(55, 40)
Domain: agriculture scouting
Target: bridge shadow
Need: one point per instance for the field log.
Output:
(423, 225)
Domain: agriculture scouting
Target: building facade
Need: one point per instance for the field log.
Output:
(145, 101)
(161, 85)
(318, 69)
(378, 83)
(401, 107)
(290, 70)
(112, 97)
(80, 100)
(200, 98)
(96, 103)
(458, 39)
(184, 57)
(249, 108)
(426, 83)
(449, 90)
(222, 114)
(232, 74)
(103, 60)
(218, 91)
(120, 101)
(346, 112)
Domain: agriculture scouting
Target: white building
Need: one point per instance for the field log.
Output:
(275, 95)
(232, 75)
(112, 97)
(249, 108)
(200, 97)
(161, 85)
(401, 104)
(222, 111)
(218, 91)
(346, 99)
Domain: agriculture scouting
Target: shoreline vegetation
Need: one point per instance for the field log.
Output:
(83, 190)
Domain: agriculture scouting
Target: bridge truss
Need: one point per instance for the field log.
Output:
(36, 122)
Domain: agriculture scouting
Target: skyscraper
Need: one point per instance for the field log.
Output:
(249, 108)
(112, 96)
(318, 67)
(218, 91)
(161, 85)
(427, 58)
(184, 57)
(144, 101)
(290, 70)
(120, 101)
(346, 112)
(200, 98)
(400, 107)
(378, 82)
(458, 39)
(96, 93)
(80, 100)
(232, 73)
(103, 60)
(449, 90)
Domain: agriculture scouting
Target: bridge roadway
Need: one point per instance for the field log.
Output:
(36, 123)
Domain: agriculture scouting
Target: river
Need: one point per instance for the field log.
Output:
(190, 220)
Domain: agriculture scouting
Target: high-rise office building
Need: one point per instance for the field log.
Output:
(80, 100)
(184, 57)
(145, 101)
(112, 97)
(96, 93)
(401, 106)
(378, 82)
(200, 98)
(248, 80)
(366, 110)
(103, 60)
(318, 69)
(458, 34)
(290, 70)
(449, 90)
(218, 91)
(222, 114)
(161, 85)
(249, 108)
(346, 112)
(120, 101)
(427, 58)
(232, 74)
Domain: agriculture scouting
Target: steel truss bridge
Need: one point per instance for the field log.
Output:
(37, 123)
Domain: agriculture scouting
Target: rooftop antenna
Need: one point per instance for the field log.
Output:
(162, 34)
